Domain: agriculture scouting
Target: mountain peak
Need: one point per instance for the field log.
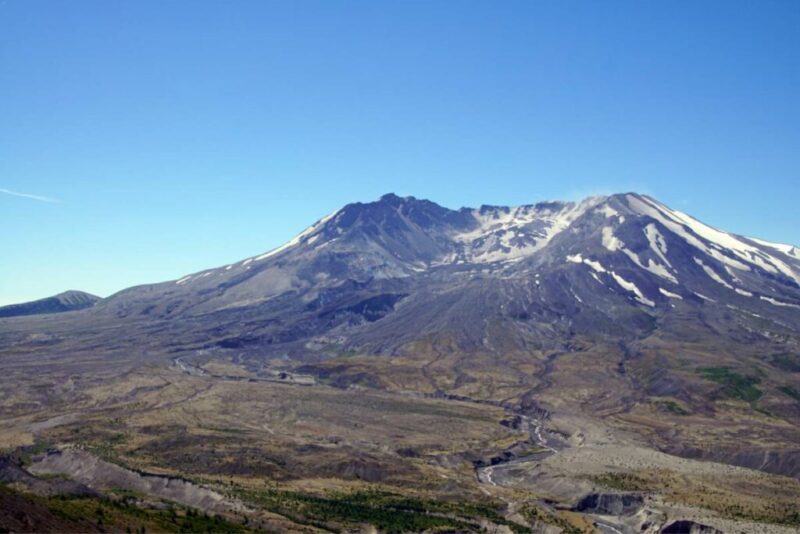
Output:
(393, 199)
(630, 243)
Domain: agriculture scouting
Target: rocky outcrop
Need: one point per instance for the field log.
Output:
(619, 504)
(13, 472)
(100, 475)
(685, 526)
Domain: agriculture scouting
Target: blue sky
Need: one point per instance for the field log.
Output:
(181, 135)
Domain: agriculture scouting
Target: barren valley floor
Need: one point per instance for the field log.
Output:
(206, 442)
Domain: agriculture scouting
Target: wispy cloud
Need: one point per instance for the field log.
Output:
(28, 195)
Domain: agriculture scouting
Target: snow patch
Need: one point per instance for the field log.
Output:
(732, 275)
(786, 249)
(779, 303)
(630, 286)
(730, 262)
(296, 240)
(712, 273)
(743, 292)
(595, 265)
(669, 294)
(657, 242)
(608, 211)
(692, 230)
(511, 234)
(610, 241)
(653, 267)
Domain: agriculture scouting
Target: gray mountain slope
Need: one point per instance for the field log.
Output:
(376, 276)
(63, 302)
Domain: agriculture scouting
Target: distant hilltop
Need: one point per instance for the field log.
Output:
(63, 302)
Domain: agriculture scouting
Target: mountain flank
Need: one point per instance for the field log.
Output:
(63, 302)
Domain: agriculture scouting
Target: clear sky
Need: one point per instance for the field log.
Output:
(175, 136)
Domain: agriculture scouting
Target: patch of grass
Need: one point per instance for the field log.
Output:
(533, 451)
(388, 512)
(537, 515)
(672, 407)
(26, 454)
(735, 386)
(123, 515)
(763, 411)
(787, 362)
(792, 392)
(622, 481)
(782, 512)
(117, 439)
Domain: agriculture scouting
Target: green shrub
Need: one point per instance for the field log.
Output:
(735, 386)
(792, 392)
